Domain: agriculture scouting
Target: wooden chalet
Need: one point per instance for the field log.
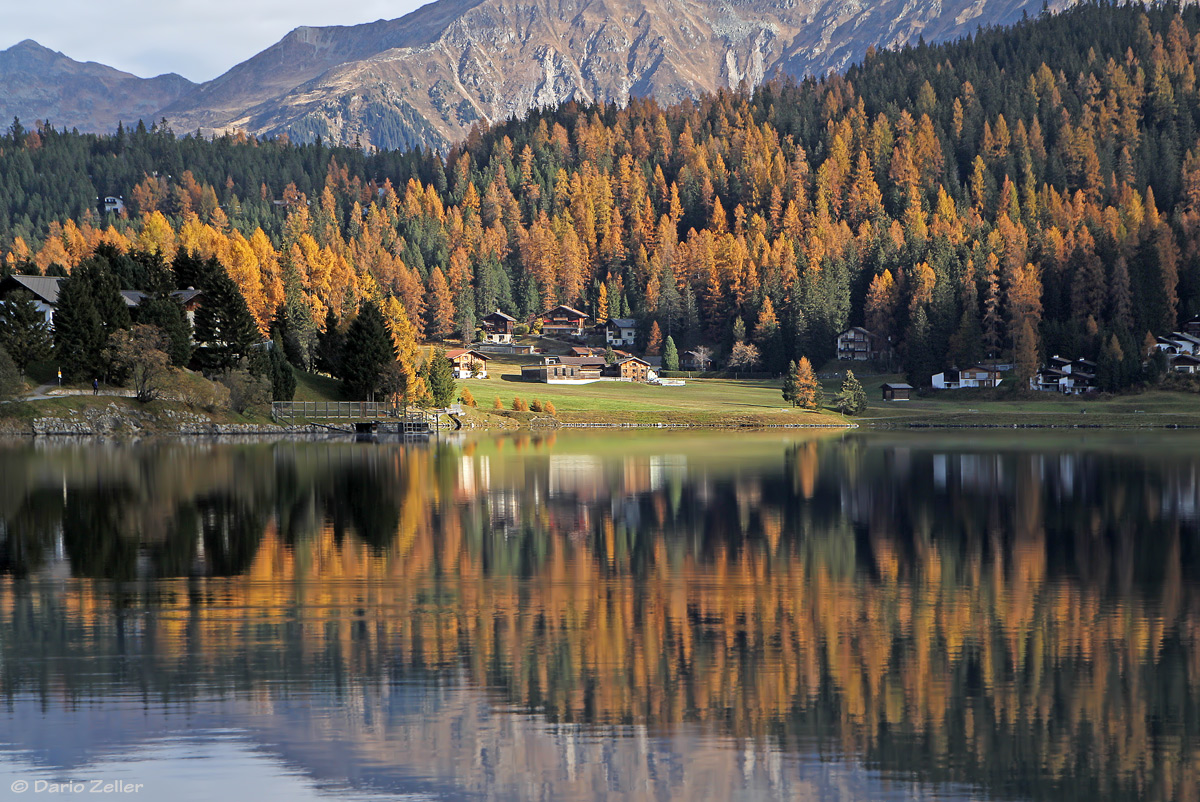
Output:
(860, 345)
(498, 327)
(563, 320)
(630, 369)
(897, 392)
(564, 370)
(468, 364)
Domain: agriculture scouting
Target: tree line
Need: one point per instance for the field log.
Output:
(1023, 192)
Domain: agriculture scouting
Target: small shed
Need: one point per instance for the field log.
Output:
(897, 392)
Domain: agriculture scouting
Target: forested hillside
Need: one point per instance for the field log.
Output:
(1025, 192)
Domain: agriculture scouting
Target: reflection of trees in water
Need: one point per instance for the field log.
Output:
(943, 613)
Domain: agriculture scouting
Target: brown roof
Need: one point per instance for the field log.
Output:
(455, 353)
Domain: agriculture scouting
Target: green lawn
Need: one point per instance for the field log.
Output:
(699, 401)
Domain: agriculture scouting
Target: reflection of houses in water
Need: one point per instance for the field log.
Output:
(579, 475)
(968, 472)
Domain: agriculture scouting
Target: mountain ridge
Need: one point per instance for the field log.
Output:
(424, 79)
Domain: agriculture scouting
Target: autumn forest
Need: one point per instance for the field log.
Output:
(1024, 192)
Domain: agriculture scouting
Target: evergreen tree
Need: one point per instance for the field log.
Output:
(80, 336)
(225, 327)
(441, 379)
(918, 359)
(24, 333)
(852, 399)
(670, 355)
(368, 350)
(165, 312)
(791, 381)
(330, 344)
(11, 384)
(283, 377)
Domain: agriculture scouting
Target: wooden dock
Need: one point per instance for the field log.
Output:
(367, 417)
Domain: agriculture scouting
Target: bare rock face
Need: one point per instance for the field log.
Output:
(425, 79)
(37, 83)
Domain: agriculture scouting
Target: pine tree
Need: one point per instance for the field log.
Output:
(441, 380)
(225, 327)
(79, 336)
(852, 399)
(367, 351)
(790, 383)
(283, 377)
(11, 384)
(329, 346)
(24, 332)
(670, 355)
(165, 312)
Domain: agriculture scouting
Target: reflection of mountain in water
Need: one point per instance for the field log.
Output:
(1021, 620)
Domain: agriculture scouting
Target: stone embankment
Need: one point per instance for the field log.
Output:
(115, 419)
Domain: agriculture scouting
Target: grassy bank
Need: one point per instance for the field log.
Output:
(703, 402)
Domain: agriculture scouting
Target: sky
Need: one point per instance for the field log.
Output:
(199, 39)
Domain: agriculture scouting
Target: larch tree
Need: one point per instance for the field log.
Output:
(439, 307)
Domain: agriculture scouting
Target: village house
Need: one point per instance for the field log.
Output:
(1071, 377)
(563, 320)
(631, 369)
(620, 331)
(44, 290)
(1185, 363)
(564, 370)
(1192, 327)
(695, 360)
(977, 376)
(859, 345)
(468, 364)
(897, 392)
(587, 350)
(113, 204)
(498, 327)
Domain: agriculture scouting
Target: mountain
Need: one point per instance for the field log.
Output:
(426, 78)
(37, 83)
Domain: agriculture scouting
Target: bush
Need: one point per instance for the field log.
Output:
(550, 410)
(536, 406)
(199, 393)
(519, 405)
(467, 397)
(245, 389)
(497, 404)
(520, 330)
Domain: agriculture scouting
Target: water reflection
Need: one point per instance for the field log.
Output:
(684, 617)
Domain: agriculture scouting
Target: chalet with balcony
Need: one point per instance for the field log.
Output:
(620, 331)
(1070, 377)
(564, 321)
(498, 327)
(859, 345)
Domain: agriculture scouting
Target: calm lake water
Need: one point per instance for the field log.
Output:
(723, 616)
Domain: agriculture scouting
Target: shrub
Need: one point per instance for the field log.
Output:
(245, 389)
(519, 405)
(536, 406)
(550, 410)
(497, 404)
(467, 397)
(520, 330)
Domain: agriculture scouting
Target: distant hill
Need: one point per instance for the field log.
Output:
(426, 78)
(37, 83)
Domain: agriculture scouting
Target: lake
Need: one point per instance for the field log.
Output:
(691, 616)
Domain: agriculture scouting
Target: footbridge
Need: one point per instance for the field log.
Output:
(367, 416)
